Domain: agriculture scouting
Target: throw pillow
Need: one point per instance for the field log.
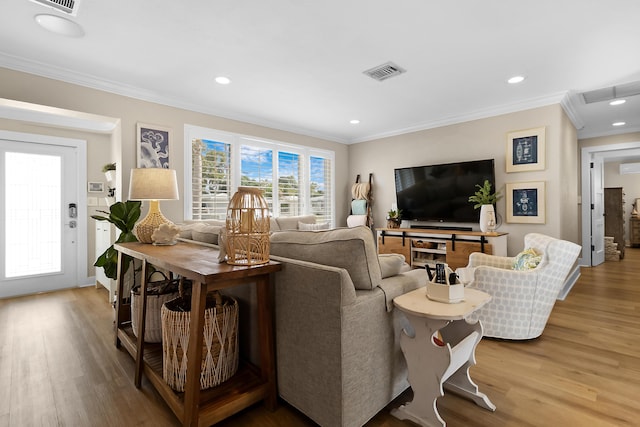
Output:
(391, 264)
(206, 233)
(313, 227)
(358, 207)
(527, 260)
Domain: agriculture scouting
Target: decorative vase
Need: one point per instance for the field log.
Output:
(487, 218)
(393, 223)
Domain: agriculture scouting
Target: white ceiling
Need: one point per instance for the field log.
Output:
(298, 65)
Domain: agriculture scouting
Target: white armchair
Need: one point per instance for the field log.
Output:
(521, 300)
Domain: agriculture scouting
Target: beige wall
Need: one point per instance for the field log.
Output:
(121, 146)
(483, 139)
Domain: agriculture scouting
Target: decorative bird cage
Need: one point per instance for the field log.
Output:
(248, 223)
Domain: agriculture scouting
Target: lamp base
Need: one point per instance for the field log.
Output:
(145, 228)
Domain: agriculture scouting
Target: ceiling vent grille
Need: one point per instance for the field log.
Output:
(70, 7)
(384, 71)
(613, 92)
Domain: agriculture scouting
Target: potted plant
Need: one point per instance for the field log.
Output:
(124, 217)
(485, 200)
(394, 218)
(109, 171)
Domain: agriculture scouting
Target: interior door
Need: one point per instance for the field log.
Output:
(597, 212)
(38, 202)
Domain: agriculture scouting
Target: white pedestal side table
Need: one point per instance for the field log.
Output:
(432, 367)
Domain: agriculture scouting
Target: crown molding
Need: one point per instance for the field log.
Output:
(89, 81)
(499, 110)
(69, 76)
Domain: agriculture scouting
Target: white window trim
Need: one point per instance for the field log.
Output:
(236, 140)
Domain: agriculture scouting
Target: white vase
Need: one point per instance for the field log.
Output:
(487, 218)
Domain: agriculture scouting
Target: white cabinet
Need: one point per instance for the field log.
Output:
(104, 239)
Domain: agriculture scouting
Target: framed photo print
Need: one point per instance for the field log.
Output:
(153, 146)
(95, 187)
(526, 202)
(525, 150)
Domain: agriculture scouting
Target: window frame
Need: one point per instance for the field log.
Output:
(236, 141)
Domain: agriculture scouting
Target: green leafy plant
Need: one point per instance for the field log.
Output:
(109, 167)
(484, 196)
(394, 214)
(124, 217)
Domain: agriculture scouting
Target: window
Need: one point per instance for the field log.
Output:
(211, 178)
(219, 162)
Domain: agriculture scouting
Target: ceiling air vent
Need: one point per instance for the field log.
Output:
(613, 92)
(70, 7)
(384, 71)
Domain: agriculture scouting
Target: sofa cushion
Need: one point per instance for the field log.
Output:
(313, 227)
(291, 222)
(350, 248)
(206, 233)
(391, 264)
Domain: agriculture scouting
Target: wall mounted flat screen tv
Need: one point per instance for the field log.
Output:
(441, 192)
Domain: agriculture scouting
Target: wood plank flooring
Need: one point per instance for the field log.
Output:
(59, 365)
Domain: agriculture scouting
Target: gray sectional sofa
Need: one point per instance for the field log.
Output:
(337, 336)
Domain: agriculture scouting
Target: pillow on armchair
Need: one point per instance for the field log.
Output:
(527, 260)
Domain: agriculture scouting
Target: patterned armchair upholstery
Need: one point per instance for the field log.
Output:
(521, 300)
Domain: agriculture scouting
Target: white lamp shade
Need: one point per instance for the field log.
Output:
(153, 184)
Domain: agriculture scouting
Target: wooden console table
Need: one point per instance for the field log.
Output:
(250, 384)
(432, 367)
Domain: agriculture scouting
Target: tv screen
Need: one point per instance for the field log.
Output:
(441, 192)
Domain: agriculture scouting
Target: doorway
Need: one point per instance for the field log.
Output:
(40, 200)
(592, 190)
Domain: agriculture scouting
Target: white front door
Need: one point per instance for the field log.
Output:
(38, 217)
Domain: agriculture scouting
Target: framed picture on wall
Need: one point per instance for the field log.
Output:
(526, 150)
(153, 146)
(526, 202)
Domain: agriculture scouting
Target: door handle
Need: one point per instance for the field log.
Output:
(73, 210)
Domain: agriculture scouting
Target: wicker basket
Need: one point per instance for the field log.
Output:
(158, 293)
(219, 347)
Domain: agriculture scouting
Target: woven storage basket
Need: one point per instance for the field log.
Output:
(158, 293)
(219, 347)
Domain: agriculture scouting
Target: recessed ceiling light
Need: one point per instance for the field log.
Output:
(59, 25)
(618, 124)
(223, 80)
(618, 102)
(354, 121)
(515, 79)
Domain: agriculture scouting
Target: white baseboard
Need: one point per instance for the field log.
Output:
(568, 284)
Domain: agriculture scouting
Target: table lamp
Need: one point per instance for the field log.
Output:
(152, 184)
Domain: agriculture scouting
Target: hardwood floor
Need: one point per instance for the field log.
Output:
(59, 365)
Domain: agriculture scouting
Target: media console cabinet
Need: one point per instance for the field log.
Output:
(430, 246)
